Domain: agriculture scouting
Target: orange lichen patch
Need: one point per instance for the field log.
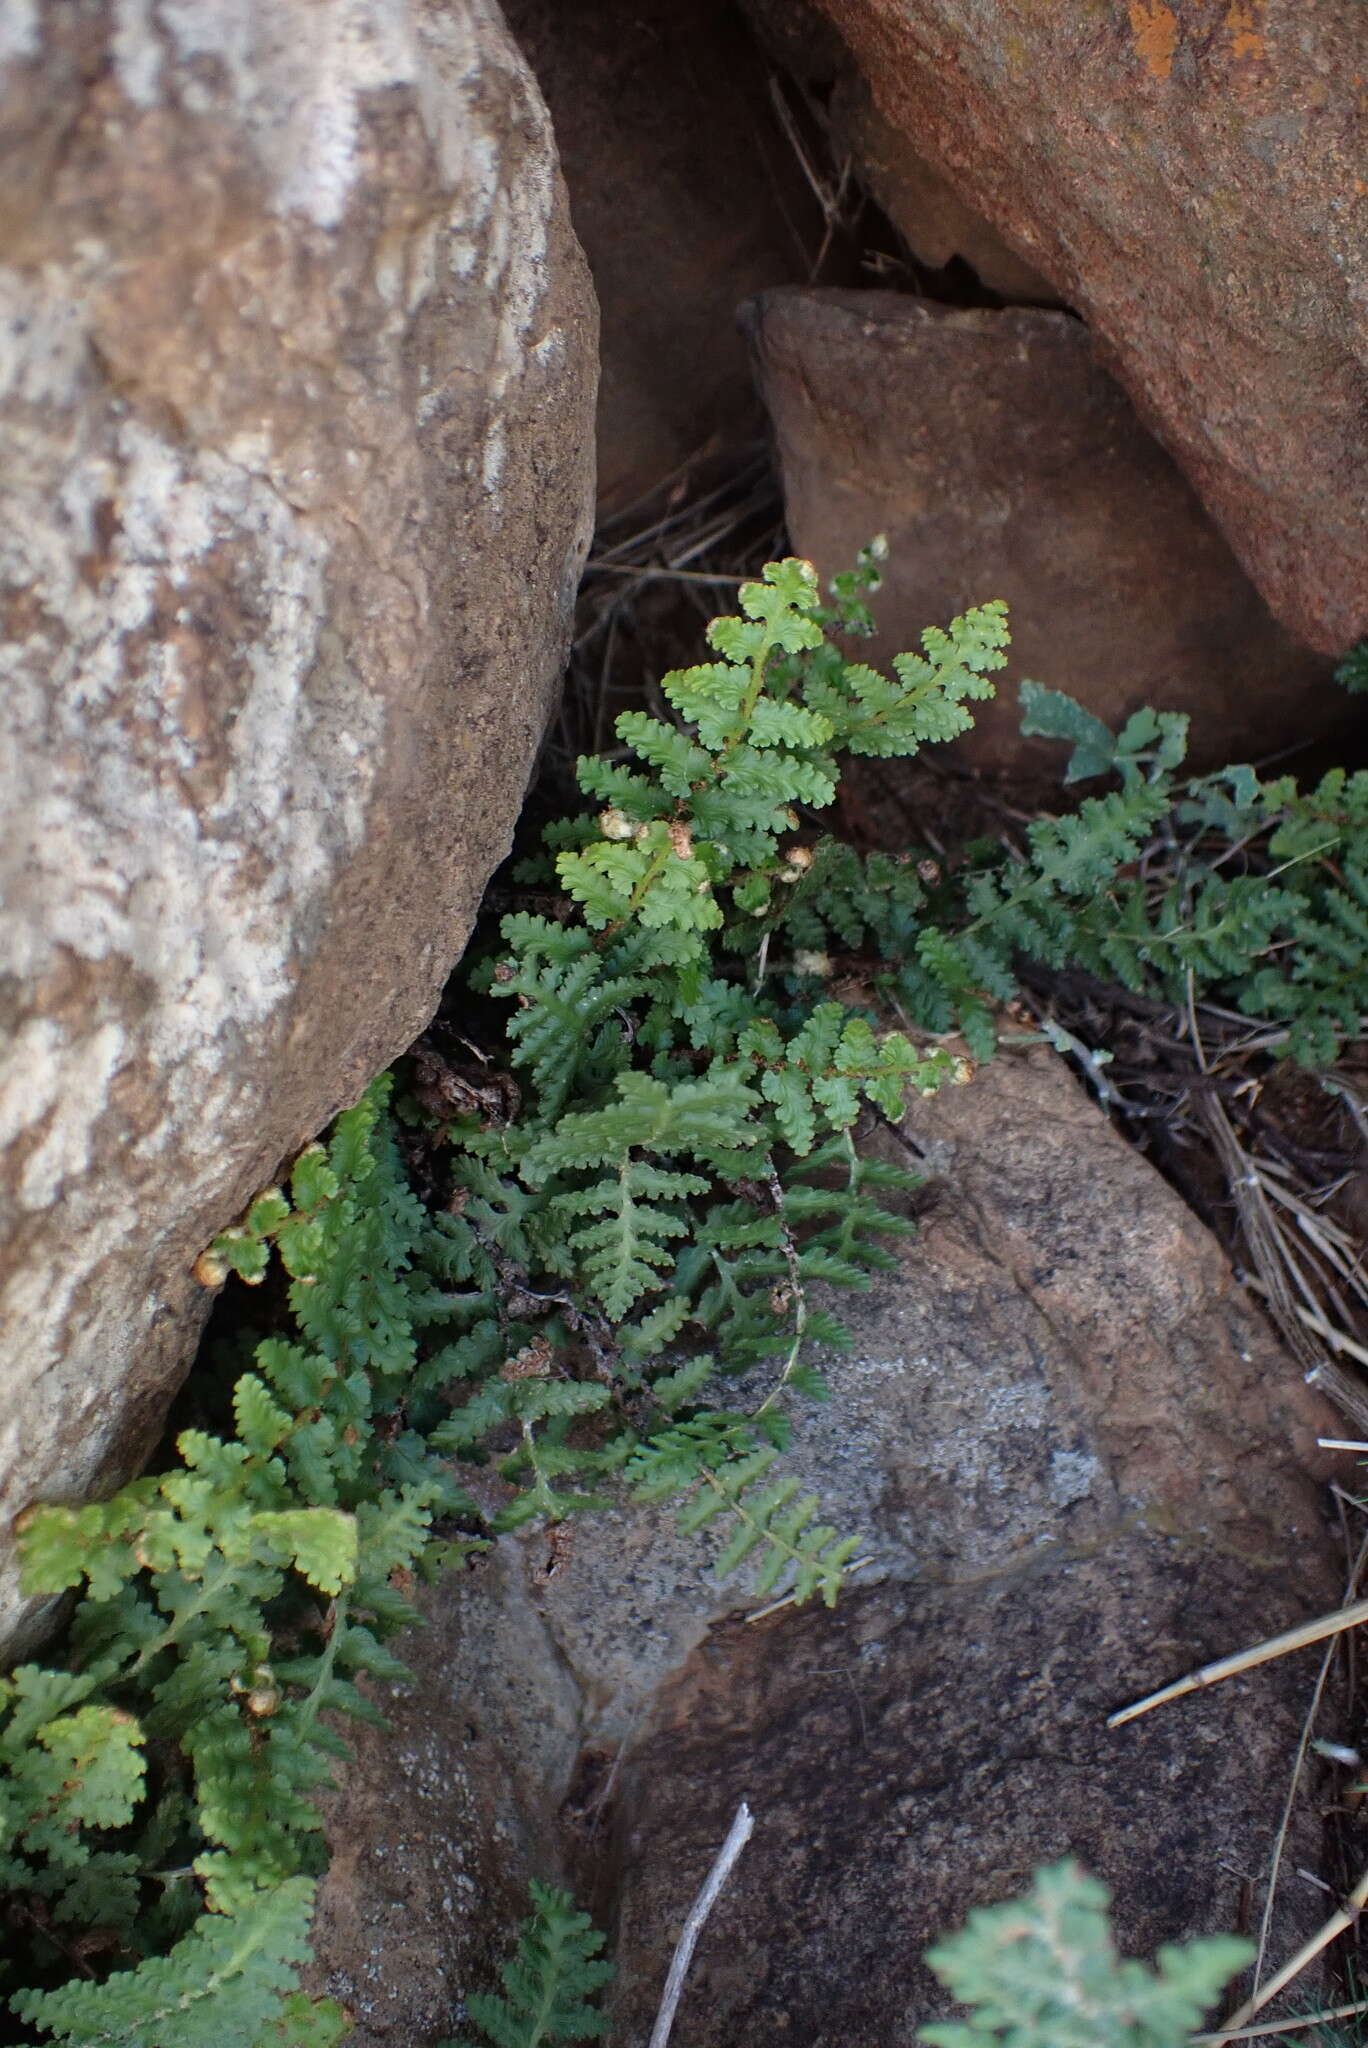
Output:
(1155, 29)
(1242, 19)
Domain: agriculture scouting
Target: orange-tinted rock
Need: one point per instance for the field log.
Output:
(1192, 176)
(928, 213)
(296, 387)
(1002, 461)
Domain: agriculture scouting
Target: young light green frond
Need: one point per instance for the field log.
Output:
(710, 697)
(707, 1119)
(677, 760)
(773, 1519)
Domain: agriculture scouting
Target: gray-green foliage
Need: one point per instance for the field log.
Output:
(1353, 670)
(1042, 1972)
(1248, 891)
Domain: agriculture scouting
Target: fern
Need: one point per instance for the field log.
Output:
(548, 1982)
(1041, 1972)
(671, 1177)
(777, 1521)
(230, 1980)
(287, 1530)
(1248, 893)
(1353, 670)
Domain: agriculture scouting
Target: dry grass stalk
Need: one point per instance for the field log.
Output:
(1303, 1746)
(1244, 1660)
(1272, 2027)
(1336, 1925)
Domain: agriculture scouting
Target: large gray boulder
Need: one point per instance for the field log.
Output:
(296, 423)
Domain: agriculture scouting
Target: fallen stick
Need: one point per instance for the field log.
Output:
(1307, 1953)
(1272, 2027)
(738, 1835)
(1244, 1660)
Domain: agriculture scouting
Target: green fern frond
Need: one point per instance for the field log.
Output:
(776, 1520)
(556, 1970)
(224, 1982)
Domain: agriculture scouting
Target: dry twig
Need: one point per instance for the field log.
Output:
(738, 1835)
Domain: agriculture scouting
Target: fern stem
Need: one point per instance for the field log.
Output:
(312, 1704)
(799, 1292)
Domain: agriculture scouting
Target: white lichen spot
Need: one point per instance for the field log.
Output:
(550, 350)
(186, 848)
(84, 1069)
(1072, 1476)
(295, 74)
(30, 1083)
(44, 347)
(20, 38)
(137, 51)
(492, 455)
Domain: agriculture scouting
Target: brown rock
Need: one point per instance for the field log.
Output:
(927, 211)
(297, 368)
(1084, 1468)
(1192, 176)
(1082, 1465)
(687, 197)
(1002, 461)
(444, 1814)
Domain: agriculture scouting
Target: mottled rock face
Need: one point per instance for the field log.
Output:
(1002, 461)
(1081, 1464)
(1192, 176)
(296, 396)
(1083, 1467)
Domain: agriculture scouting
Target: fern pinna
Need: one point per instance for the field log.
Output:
(548, 1982)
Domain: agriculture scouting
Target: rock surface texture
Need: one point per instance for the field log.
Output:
(1001, 460)
(1192, 176)
(1082, 1465)
(687, 197)
(296, 400)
